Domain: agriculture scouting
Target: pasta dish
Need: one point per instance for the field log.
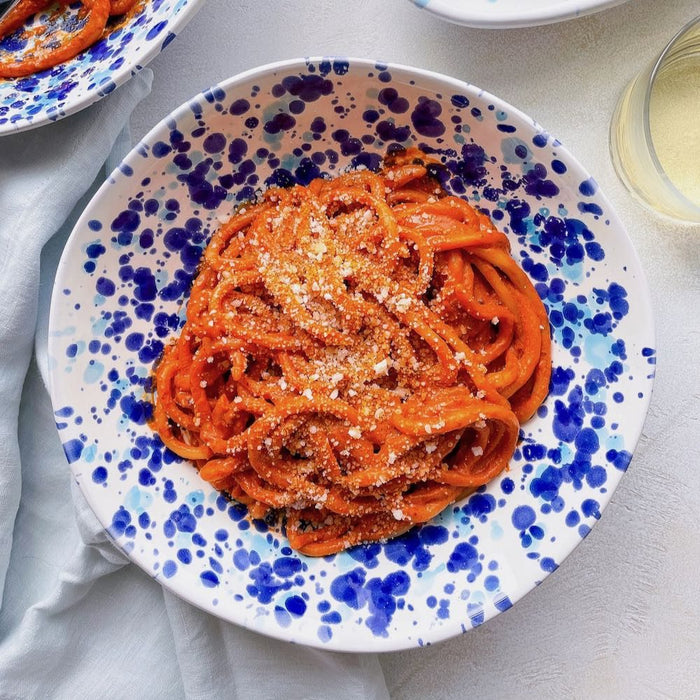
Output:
(58, 37)
(357, 355)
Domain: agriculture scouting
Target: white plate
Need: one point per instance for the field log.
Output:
(46, 96)
(512, 13)
(119, 296)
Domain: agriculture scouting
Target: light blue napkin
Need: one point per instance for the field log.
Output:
(43, 174)
(76, 621)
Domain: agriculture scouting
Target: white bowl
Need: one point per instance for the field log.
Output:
(512, 13)
(119, 295)
(46, 96)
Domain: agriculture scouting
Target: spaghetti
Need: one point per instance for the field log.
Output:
(52, 42)
(357, 355)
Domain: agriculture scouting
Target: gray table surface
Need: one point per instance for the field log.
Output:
(621, 616)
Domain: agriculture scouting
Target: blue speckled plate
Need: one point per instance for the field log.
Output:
(120, 293)
(512, 13)
(45, 97)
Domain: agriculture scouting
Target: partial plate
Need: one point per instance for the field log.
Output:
(120, 293)
(494, 14)
(47, 96)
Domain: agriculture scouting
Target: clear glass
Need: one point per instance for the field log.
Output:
(655, 130)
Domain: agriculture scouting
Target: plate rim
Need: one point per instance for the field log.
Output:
(449, 10)
(345, 643)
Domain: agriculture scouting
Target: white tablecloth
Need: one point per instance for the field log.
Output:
(621, 617)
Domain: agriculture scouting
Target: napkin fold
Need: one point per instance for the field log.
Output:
(43, 174)
(76, 620)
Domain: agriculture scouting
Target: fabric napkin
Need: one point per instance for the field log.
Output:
(76, 619)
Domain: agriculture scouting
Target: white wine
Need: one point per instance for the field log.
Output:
(655, 130)
(674, 123)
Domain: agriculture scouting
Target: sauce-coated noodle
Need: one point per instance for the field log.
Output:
(358, 354)
(52, 42)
